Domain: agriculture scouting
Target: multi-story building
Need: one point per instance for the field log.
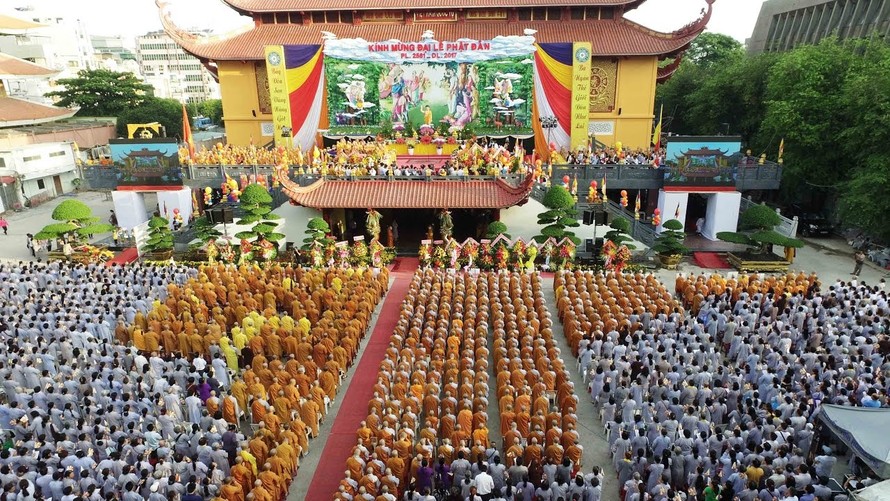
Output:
(114, 53)
(785, 24)
(172, 71)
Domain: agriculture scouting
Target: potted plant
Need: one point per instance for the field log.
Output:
(75, 225)
(159, 246)
(257, 205)
(669, 244)
(757, 226)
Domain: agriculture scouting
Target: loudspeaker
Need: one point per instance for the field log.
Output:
(601, 218)
(221, 215)
(589, 216)
(588, 245)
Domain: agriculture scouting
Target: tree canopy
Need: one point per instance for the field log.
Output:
(559, 216)
(102, 93)
(166, 111)
(757, 226)
(830, 102)
(75, 222)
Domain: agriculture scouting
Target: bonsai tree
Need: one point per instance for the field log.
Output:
(496, 228)
(75, 223)
(670, 241)
(160, 238)
(619, 234)
(205, 230)
(317, 230)
(561, 214)
(257, 205)
(757, 226)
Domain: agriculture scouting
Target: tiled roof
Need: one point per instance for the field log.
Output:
(608, 38)
(403, 194)
(9, 24)
(309, 5)
(13, 67)
(15, 112)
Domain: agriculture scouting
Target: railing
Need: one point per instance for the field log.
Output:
(641, 231)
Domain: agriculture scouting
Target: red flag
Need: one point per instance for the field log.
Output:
(187, 133)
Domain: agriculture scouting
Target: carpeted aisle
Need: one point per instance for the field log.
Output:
(354, 408)
(711, 260)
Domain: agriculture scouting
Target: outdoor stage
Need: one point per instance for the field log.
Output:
(422, 161)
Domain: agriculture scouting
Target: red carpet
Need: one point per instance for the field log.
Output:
(127, 256)
(354, 408)
(711, 260)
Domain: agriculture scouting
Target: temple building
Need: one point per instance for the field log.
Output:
(625, 60)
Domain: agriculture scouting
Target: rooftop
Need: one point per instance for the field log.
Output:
(312, 5)
(404, 194)
(15, 112)
(15, 68)
(10, 25)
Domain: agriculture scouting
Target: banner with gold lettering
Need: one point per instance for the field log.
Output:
(580, 94)
(277, 73)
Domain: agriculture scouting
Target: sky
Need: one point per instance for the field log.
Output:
(131, 18)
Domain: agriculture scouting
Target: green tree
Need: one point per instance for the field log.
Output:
(714, 49)
(160, 238)
(758, 231)
(168, 112)
(559, 216)
(75, 223)
(212, 109)
(317, 230)
(670, 241)
(619, 233)
(102, 93)
(496, 228)
(256, 202)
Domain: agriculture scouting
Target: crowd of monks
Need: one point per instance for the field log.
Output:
(604, 303)
(694, 289)
(283, 338)
(430, 406)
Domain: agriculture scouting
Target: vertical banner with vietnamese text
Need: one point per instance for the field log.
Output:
(580, 94)
(278, 95)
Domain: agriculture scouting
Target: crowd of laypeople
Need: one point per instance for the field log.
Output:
(169, 383)
(427, 434)
(716, 397)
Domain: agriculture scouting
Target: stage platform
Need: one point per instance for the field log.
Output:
(421, 161)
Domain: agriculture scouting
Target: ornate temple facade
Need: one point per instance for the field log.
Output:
(627, 59)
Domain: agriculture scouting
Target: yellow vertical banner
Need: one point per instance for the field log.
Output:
(580, 94)
(278, 95)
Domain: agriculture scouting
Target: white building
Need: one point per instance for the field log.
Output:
(171, 71)
(36, 173)
(114, 53)
(56, 42)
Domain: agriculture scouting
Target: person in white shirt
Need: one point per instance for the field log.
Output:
(484, 484)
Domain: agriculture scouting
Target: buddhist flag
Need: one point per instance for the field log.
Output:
(637, 206)
(677, 212)
(187, 132)
(782, 148)
(656, 136)
(604, 186)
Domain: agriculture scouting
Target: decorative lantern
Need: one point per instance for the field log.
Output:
(624, 198)
(656, 217)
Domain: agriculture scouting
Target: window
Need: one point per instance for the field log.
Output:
(554, 14)
(606, 13)
(346, 17)
(268, 18)
(2, 162)
(577, 13)
(41, 185)
(318, 17)
(57, 154)
(31, 158)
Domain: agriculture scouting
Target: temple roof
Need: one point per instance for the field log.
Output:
(615, 37)
(12, 25)
(15, 112)
(403, 194)
(248, 6)
(15, 68)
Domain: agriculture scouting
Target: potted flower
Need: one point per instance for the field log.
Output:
(412, 142)
(159, 246)
(669, 245)
(469, 252)
(425, 254)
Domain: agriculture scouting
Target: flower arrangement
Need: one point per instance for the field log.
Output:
(502, 257)
(439, 256)
(343, 256)
(451, 140)
(426, 139)
(469, 253)
(519, 252)
(226, 253)
(376, 250)
(486, 259)
(425, 254)
(616, 257)
(330, 251)
(359, 253)
(316, 256)
(93, 254)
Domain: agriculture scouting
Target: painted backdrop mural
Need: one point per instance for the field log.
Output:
(446, 96)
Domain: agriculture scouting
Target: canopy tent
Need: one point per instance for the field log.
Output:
(864, 431)
(876, 492)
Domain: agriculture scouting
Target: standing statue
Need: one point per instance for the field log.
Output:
(372, 223)
(390, 237)
(446, 225)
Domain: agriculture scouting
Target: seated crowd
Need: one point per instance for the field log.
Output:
(611, 156)
(139, 382)
(719, 402)
(427, 434)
